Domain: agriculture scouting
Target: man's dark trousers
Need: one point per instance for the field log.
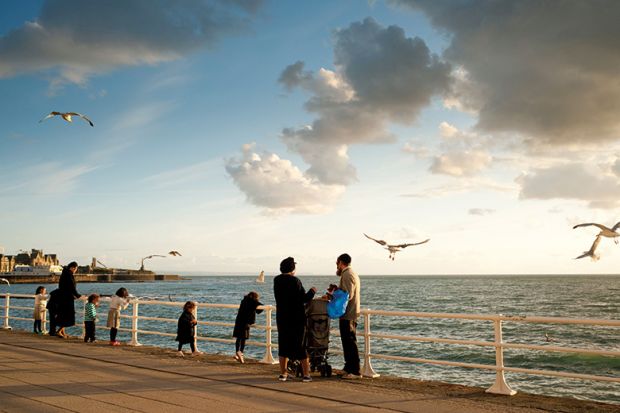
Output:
(349, 346)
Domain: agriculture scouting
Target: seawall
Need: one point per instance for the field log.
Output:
(96, 278)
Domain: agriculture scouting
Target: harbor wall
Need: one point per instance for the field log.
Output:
(96, 278)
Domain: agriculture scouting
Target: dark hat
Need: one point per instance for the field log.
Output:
(287, 265)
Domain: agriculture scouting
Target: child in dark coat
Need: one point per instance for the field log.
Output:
(246, 316)
(186, 329)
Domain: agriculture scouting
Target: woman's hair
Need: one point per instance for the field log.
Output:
(72, 264)
(189, 306)
(122, 292)
(253, 295)
(93, 297)
(40, 289)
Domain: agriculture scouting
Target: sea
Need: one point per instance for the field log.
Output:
(591, 296)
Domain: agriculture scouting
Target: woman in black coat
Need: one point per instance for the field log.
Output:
(65, 309)
(246, 316)
(290, 298)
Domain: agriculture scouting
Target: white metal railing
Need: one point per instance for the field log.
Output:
(500, 386)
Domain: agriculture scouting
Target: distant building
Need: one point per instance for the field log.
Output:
(34, 258)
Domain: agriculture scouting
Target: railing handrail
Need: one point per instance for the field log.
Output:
(500, 386)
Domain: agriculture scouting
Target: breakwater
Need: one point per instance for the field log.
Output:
(92, 278)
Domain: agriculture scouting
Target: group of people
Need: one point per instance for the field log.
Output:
(60, 305)
(290, 296)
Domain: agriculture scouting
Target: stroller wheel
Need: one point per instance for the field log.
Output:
(328, 370)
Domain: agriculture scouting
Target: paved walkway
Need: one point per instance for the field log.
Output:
(47, 374)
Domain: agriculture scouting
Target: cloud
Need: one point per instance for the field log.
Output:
(466, 163)
(76, 39)
(546, 70)
(481, 211)
(572, 181)
(279, 186)
(380, 76)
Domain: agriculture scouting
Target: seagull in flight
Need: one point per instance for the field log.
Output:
(592, 252)
(67, 116)
(394, 248)
(605, 231)
(175, 253)
(4, 280)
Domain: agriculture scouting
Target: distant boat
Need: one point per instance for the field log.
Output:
(37, 270)
(261, 277)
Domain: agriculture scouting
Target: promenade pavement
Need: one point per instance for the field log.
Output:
(48, 374)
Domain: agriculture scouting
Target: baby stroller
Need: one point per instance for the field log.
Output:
(317, 340)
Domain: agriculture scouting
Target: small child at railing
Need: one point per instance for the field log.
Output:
(246, 316)
(118, 302)
(40, 302)
(186, 329)
(90, 318)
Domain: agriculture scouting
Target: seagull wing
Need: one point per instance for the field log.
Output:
(597, 241)
(378, 241)
(51, 115)
(592, 250)
(601, 227)
(615, 227)
(411, 244)
(83, 117)
(175, 253)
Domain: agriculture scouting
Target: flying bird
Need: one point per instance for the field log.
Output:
(605, 231)
(592, 252)
(394, 248)
(175, 253)
(68, 117)
(148, 257)
(4, 280)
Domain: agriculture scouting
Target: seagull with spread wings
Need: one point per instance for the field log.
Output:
(394, 248)
(592, 251)
(148, 257)
(605, 231)
(68, 117)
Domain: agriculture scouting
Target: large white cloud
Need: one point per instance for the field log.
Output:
(547, 70)
(79, 38)
(380, 76)
(279, 186)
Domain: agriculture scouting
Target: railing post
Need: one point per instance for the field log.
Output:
(134, 324)
(84, 301)
(7, 305)
(44, 322)
(367, 371)
(500, 386)
(196, 327)
(268, 358)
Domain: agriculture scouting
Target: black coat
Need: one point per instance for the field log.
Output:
(291, 315)
(246, 316)
(186, 329)
(64, 304)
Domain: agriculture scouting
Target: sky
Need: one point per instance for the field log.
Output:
(242, 132)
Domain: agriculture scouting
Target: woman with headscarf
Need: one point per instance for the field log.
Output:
(67, 293)
(290, 298)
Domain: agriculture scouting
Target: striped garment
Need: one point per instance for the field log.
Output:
(90, 312)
